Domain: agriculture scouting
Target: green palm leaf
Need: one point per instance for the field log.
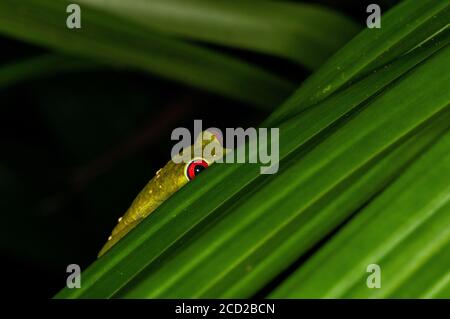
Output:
(363, 156)
(404, 230)
(252, 227)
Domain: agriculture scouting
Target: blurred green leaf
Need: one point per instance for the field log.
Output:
(306, 34)
(40, 66)
(118, 41)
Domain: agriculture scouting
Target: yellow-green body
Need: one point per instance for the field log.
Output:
(166, 182)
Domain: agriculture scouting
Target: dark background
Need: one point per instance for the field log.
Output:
(77, 148)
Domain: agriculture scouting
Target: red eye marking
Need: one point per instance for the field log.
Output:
(195, 167)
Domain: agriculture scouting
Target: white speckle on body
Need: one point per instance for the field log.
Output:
(326, 89)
